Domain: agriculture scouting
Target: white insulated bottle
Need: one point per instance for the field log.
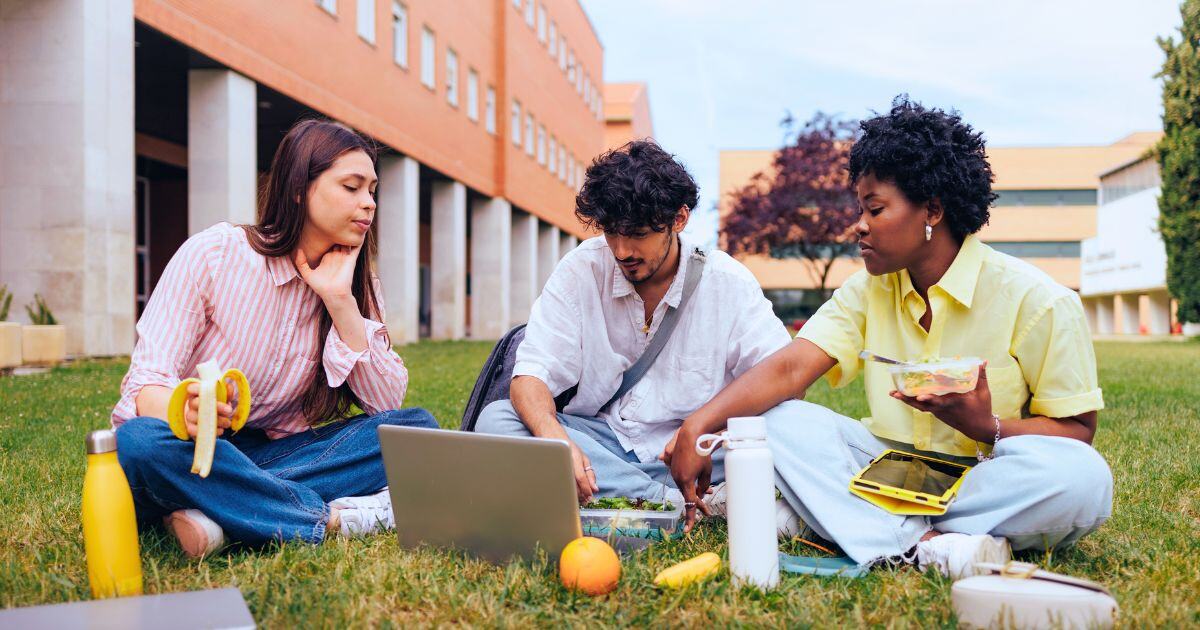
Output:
(750, 503)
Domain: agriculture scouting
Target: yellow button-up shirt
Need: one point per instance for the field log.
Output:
(1031, 330)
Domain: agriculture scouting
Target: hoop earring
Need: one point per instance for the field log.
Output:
(928, 232)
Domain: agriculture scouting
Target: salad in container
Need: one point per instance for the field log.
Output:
(937, 377)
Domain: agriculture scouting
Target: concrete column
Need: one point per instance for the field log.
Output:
(524, 269)
(67, 166)
(1104, 316)
(566, 243)
(548, 244)
(1089, 309)
(1160, 313)
(448, 262)
(399, 245)
(491, 267)
(222, 148)
(1127, 313)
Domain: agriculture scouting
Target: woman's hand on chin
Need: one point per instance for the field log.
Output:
(969, 413)
(334, 275)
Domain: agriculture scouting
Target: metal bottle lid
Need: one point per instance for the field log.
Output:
(102, 441)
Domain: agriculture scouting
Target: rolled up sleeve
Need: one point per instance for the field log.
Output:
(1054, 350)
(171, 325)
(838, 329)
(376, 374)
(552, 350)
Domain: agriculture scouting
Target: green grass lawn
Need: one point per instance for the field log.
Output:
(1147, 554)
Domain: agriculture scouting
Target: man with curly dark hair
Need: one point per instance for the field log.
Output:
(1024, 419)
(603, 307)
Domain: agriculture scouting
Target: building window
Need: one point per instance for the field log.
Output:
(571, 171)
(562, 163)
(329, 5)
(562, 53)
(578, 176)
(529, 134)
(1080, 197)
(428, 62)
(529, 12)
(400, 34)
(451, 77)
(553, 38)
(1038, 249)
(541, 144)
(517, 4)
(366, 20)
(571, 66)
(552, 163)
(515, 123)
(579, 80)
(587, 92)
(473, 94)
(489, 111)
(541, 23)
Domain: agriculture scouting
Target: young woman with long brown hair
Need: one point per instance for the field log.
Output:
(293, 302)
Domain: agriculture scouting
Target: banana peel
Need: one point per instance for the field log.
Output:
(697, 569)
(212, 390)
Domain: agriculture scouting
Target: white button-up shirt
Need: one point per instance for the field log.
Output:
(586, 329)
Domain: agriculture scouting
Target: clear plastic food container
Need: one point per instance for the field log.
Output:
(947, 376)
(627, 522)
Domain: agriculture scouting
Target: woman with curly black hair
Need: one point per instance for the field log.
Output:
(931, 289)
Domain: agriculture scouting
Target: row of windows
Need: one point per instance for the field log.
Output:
(1038, 249)
(1081, 197)
(545, 147)
(556, 42)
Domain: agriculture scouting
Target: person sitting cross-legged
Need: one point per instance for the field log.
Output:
(606, 303)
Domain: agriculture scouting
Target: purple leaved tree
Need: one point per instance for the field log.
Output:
(802, 205)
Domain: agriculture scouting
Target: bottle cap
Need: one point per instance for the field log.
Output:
(749, 428)
(102, 441)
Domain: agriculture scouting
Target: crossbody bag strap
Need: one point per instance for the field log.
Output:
(636, 371)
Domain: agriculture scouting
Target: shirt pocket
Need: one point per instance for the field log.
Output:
(691, 386)
(1008, 388)
(293, 379)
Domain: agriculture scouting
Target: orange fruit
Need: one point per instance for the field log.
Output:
(589, 565)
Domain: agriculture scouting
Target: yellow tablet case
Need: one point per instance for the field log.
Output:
(898, 500)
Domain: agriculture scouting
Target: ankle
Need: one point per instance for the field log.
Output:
(334, 522)
(933, 533)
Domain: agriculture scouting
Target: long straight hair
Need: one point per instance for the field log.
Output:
(309, 149)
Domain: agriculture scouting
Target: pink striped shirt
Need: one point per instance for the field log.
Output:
(219, 299)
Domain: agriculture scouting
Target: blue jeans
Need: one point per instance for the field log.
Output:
(619, 473)
(1039, 492)
(259, 489)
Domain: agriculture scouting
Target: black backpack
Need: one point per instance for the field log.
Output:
(494, 378)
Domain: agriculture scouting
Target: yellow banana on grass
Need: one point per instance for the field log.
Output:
(212, 391)
(687, 572)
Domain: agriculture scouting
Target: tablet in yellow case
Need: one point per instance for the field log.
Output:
(909, 484)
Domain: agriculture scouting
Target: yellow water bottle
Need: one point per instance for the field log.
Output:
(110, 537)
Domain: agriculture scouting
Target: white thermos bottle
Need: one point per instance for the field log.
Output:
(750, 503)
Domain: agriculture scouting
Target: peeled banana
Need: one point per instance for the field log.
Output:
(212, 390)
(687, 572)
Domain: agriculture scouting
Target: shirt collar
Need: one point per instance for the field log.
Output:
(623, 287)
(281, 269)
(961, 278)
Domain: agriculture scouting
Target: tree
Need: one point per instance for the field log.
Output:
(1179, 162)
(802, 205)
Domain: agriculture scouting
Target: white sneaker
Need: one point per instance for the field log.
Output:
(358, 516)
(955, 555)
(787, 522)
(197, 534)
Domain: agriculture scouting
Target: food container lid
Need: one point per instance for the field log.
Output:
(963, 363)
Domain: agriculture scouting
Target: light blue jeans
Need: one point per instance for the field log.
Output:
(619, 473)
(1039, 492)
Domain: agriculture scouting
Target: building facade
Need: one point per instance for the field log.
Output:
(627, 113)
(1046, 208)
(127, 125)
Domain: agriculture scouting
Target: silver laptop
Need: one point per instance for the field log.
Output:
(496, 497)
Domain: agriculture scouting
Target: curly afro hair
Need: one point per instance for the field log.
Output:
(634, 187)
(928, 154)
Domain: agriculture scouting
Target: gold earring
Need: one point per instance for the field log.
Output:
(928, 232)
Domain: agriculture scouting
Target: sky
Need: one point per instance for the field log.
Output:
(722, 75)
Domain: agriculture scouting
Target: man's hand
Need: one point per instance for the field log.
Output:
(969, 413)
(585, 475)
(191, 410)
(692, 472)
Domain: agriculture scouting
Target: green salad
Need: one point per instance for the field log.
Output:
(626, 503)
